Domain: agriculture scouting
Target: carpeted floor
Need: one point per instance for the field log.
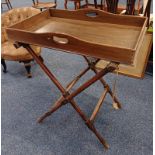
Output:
(128, 131)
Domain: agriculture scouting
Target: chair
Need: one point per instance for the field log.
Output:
(114, 5)
(77, 3)
(8, 51)
(7, 2)
(44, 5)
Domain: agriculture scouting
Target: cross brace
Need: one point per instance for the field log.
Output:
(68, 97)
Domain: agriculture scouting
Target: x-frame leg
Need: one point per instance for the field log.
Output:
(69, 97)
(91, 65)
(116, 104)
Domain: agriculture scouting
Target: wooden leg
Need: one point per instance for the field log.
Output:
(28, 68)
(69, 97)
(75, 5)
(98, 106)
(4, 65)
(86, 3)
(101, 4)
(7, 6)
(10, 4)
(65, 4)
(95, 3)
(78, 5)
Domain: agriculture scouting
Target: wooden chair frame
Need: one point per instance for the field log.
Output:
(8, 3)
(36, 2)
(77, 4)
(68, 97)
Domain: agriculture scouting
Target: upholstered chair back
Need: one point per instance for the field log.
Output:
(14, 16)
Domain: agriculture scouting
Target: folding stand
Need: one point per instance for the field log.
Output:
(68, 97)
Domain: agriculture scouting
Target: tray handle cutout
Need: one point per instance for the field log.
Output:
(60, 40)
(92, 14)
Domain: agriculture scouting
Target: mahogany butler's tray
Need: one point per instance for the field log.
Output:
(86, 32)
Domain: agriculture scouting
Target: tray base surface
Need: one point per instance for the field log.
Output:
(99, 33)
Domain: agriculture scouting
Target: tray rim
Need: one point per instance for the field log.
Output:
(48, 14)
(87, 10)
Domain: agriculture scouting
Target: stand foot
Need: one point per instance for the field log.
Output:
(93, 129)
(115, 106)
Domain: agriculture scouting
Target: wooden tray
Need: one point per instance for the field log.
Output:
(86, 32)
